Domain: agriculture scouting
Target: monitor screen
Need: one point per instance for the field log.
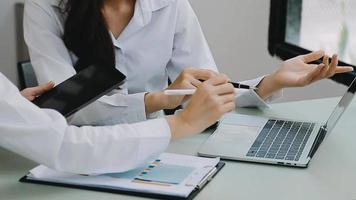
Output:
(323, 24)
(300, 26)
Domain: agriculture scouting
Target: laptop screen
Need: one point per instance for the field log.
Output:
(341, 107)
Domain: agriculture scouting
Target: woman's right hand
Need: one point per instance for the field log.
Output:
(212, 100)
(190, 78)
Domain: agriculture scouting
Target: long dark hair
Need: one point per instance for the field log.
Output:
(86, 33)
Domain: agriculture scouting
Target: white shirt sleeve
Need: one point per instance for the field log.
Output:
(249, 98)
(192, 50)
(52, 62)
(45, 137)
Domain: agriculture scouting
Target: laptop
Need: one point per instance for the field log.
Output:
(272, 141)
(81, 89)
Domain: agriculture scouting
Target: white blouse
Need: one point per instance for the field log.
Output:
(162, 38)
(45, 137)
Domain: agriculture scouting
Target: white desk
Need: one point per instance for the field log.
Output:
(331, 174)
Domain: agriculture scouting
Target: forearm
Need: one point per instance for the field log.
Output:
(82, 150)
(179, 128)
(130, 144)
(155, 102)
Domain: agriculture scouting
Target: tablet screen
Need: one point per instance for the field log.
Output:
(81, 89)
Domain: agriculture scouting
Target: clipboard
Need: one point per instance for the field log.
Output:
(191, 196)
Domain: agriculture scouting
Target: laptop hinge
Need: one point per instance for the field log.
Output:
(318, 140)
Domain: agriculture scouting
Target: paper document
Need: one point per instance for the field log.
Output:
(171, 174)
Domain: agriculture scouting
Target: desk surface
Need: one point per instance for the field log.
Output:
(331, 174)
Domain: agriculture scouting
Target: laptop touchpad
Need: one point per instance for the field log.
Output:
(244, 120)
(236, 134)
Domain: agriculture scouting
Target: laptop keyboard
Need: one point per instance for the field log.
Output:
(283, 140)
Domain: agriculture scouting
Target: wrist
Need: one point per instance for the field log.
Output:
(268, 86)
(180, 128)
(154, 102)
(274, 82)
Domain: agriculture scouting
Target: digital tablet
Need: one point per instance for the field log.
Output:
(81, 89)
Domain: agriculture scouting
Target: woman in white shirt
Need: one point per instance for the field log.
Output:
(147, 40)
(44, 136)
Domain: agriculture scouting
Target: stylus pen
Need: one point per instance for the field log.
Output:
(182, 92)
(240, 85)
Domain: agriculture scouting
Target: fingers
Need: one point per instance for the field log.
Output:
(42, 88)
(218, 80)
(30, 98)
(201, 74)
(228, 107)
(195, 82)
(226, 88)
(326, 60)
(343, 69)
(219, 87)
(316, 55)
(228, 98)
(313, 75)
(324, 72)
(332, 68)
(226, 94)
(190, 78)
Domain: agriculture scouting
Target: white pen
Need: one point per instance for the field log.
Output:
(182, 92)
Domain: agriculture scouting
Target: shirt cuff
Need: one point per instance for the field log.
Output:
(117, 108)
(155, 128)
(155, 137)
(249, 98)
(137, 108)
(129, 107)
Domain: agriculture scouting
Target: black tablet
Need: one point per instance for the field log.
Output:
(81, 89)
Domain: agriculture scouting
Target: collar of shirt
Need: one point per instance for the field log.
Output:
(147, 5)
(142, 16)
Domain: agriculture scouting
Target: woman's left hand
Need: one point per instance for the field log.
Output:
(297, 72)
(189, 78)
(33, 92)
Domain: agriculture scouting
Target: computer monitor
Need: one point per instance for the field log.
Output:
(300, 26)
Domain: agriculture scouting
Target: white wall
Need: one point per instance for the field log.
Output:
(8, 56)
(236, 30)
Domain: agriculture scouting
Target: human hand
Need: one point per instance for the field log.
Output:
(190, 78)
(296, 72)
(213, 98)
(33, 92)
